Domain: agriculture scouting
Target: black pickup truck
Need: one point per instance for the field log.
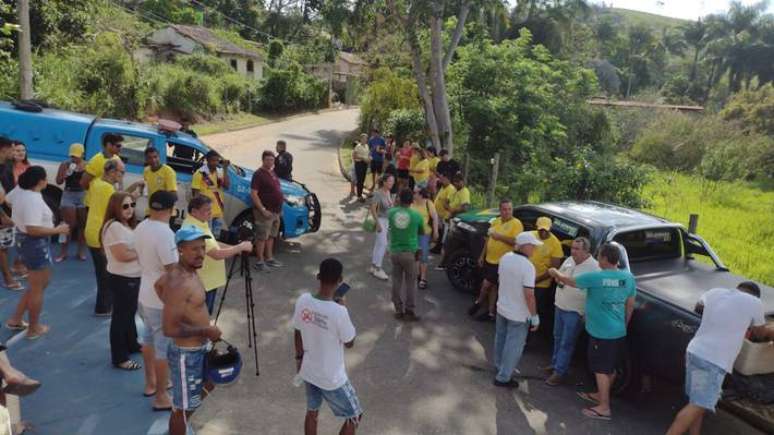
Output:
(673, 268)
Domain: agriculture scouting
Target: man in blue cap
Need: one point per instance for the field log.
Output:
(186, 321)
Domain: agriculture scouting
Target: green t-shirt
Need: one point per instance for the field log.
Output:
(606, 295)
(405, 225)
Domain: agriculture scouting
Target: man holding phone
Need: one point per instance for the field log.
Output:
(322, 330)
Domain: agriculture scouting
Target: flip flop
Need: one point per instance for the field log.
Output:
(148, 395)
(586, 397)
(16, 286)
(45, 331)
(21, 274)
(128, 365)
(595, 415)
(60, 259)
(23, 389)
(82, 257)
(20, 327)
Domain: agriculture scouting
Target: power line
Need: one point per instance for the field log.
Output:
(235, 21)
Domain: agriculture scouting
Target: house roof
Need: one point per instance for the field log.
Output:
(351, 58)
(207, 38)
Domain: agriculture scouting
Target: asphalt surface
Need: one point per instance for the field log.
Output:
(431, 377)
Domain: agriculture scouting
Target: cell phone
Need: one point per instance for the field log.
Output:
(341, 291)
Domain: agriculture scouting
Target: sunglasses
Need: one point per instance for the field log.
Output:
(126, 206)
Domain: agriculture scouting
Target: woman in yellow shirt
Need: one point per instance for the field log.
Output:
(421, 170)
(426, 209)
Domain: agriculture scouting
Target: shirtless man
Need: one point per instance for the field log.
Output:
(187, 323)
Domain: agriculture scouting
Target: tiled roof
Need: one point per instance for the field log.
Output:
(207, 38)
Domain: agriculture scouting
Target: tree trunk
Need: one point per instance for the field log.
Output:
(437, 82)
(419, 76)
(462, 17)
(694, 64)
(25, 50)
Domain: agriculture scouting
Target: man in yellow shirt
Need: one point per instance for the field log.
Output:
(459, 201)
(442, 208)
(501, 240)
(544, 257)
(213, 271)
(111, 147)
(156, 175)
(207, 181)
(100, 191)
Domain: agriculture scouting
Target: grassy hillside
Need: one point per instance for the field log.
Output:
(735, 218)
(629, 17)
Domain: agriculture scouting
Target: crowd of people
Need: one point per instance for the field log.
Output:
(525, 281)
(140, 263)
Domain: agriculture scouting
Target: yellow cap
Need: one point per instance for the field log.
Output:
(76, 150)
(543, 223)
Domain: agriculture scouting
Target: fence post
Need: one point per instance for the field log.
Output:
(490, 196)
(693, 223)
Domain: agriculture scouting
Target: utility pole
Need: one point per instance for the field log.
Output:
(25, 49)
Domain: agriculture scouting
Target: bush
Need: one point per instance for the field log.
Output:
(292, 89)
(675, 141)
(386, 92)
(205, 64)
(754, 110)
(405, 124)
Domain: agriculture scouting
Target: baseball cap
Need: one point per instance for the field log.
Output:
(162, 200)
(527, 238)
(189, 233)
(543, 223)
(76, 150)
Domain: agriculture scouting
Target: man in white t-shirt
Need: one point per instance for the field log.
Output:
(569, 307)
(516, 311)
(726, 317)
(156, 252)
(322, 330)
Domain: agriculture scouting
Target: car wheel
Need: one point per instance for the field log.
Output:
(462, 271)
(628, 379)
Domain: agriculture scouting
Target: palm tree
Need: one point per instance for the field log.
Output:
(695, 35)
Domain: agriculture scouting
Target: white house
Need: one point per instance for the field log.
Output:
(170, 41)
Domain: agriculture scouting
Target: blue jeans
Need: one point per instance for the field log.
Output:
(510, 338)
(567, 326)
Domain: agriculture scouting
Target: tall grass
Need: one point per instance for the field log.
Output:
(736, 218)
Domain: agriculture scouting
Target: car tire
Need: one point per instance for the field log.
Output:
(628, 380)
(462, 271)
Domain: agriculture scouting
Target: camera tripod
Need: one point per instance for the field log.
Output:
(244, 271)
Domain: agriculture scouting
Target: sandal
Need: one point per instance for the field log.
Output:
(20, 327)
(128, 365)
(82, 257)
(16, 286)
(587, 397)
(21, 274)
(60, 258)
(596, 415)
(422, 284)
(35, 336)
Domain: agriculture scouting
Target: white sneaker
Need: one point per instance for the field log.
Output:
(381, 274)
(371, 269)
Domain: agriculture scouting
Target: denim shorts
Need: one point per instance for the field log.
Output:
(703, 382)
(35, 252)
(424, 245)
(152, 332)
(343, 400)
(72, 199)
(186, 371)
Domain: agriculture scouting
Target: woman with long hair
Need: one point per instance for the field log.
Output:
(20, 162)
(123, 277)
(34, 223)
(71, 206)
(425, 207)
(381, 202)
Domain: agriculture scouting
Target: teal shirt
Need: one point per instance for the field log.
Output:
(606, 295)
(405, 225)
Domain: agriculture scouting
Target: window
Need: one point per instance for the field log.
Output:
(649, 244)
(250, 67)
(133, 149)
(233, 64)
(183, 158)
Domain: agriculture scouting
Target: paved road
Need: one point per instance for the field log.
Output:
(427, 378)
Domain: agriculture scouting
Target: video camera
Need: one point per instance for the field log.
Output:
(238, 234)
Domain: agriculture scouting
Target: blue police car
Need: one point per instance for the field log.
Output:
(48, 133)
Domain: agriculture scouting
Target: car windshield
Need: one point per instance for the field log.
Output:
(651, 244)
